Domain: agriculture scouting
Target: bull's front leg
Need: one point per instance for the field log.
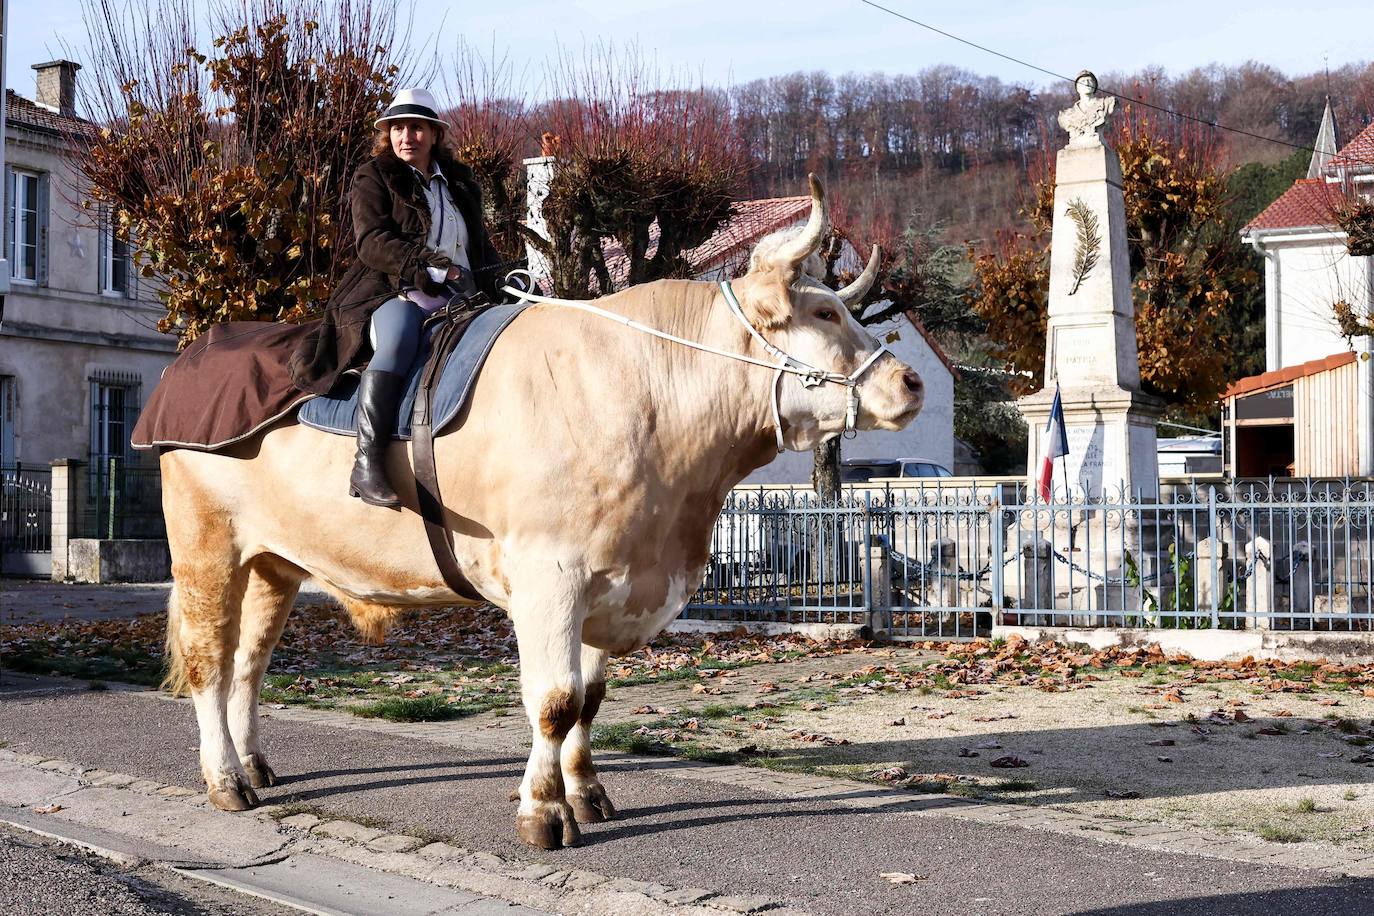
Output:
(549, 635)
(584, 790)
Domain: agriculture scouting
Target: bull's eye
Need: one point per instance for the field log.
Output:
(826, 315)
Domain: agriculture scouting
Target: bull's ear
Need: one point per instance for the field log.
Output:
(765, 298)
(790, 255)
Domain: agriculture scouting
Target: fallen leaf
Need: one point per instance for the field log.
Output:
(1162, 742)
(1270, 730)
(1009, 762)
(49, 809)
(940, 714)
(901, 721)
(902, 877)
(1329, 701)
(1165, 759)
(1128, 793)
(965, 752)
(1240, 716)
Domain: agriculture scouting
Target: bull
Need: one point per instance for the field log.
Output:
(581, 490)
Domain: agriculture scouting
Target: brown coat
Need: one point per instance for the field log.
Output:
(391, 223)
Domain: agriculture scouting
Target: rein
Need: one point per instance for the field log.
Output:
(808, 375)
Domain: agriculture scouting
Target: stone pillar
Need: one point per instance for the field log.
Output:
(1209, 574)
(539, 173)
(944, 558)
(879, 598)
(66, 498)
(1259, 586)
(1037, 581)
(1091, 346)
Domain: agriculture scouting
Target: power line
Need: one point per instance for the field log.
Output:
(1070, 79)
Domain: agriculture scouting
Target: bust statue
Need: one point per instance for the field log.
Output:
(1088, 116)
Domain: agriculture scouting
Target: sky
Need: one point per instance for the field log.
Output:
(723, 42)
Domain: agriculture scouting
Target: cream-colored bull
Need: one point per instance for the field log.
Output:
(581, 488)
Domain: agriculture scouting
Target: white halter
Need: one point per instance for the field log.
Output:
(808, 375)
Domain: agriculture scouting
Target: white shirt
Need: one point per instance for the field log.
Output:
(448, 233)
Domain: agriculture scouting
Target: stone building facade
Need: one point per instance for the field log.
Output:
(79, 348)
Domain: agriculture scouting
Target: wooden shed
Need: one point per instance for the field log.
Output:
(1302, 421)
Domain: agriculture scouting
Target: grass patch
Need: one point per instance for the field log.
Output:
(1276, 833)
(620, 736)
(1350, 795)
(127, 664)
(722, 711)
(97, 686)
(1013, 785)
(432, 708)
(1346, 726)
(1306, 805)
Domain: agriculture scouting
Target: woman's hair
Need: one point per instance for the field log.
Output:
(382, 142)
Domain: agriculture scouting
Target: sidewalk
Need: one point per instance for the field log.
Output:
(39, 600)
(691, 838)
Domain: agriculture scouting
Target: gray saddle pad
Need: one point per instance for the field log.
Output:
(338, 412)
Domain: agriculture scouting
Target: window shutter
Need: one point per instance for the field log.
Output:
(43, 230)
(9, 217)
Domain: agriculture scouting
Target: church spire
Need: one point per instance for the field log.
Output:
(1325, 147)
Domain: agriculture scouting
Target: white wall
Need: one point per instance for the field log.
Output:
(1312, 276)
(929, 438)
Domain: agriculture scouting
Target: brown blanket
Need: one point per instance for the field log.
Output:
(229, 384)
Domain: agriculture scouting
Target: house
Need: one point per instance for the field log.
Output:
(1312, 411)
(79, 346)
(726, 254)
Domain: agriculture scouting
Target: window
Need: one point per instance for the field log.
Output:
(26, 224)
(114, 409)
(115, 263)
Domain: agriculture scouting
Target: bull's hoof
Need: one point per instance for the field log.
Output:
(237, 798)
(550, 826)
(260, 775)
(591, 806)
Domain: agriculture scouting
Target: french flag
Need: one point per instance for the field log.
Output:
(1056, 445)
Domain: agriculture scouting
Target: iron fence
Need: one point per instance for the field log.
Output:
(25, 509)
(948, 562)
(117, 498)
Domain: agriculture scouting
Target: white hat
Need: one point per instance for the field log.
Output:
(411, 103)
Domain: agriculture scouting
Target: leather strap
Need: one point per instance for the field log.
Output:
(422, 455)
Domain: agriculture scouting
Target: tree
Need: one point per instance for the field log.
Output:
(229, 169)
(634, 157)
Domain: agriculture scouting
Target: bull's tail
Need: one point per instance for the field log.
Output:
(174, 681)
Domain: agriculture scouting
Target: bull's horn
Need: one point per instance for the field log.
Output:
(854, 293)
(808, 241)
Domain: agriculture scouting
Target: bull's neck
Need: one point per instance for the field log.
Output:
(717, 411)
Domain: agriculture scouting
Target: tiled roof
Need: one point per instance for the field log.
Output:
(1358, 154)
(1283, 376)
(22, 112)
(751, 221)
(1310, 202)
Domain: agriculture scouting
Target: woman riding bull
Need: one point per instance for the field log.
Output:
(417, 219)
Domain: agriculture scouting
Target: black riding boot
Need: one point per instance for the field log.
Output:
(378, 394)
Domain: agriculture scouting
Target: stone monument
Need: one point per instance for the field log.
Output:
(1091, 347)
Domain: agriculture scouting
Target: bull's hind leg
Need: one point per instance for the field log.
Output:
(267, 599)
(203, 635)
(584, 790)
(548, 632)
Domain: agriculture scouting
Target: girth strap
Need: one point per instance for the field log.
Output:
(422, 455)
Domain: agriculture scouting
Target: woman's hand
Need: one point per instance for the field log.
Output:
(454, 273)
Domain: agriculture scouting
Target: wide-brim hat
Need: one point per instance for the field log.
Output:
(415, 104)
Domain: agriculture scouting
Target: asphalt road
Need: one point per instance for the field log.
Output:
(817, 856)
(42, 878)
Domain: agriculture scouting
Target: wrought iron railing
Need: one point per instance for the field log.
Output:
(117, 498)
(949, 561)
(25, 509)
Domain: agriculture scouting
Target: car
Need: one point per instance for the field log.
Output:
(862, 470)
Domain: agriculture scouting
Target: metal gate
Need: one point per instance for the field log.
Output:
(25, 521)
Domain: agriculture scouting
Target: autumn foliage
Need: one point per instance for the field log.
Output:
(229, 169)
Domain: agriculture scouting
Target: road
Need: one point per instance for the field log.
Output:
(811, 853)
(43, 878)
